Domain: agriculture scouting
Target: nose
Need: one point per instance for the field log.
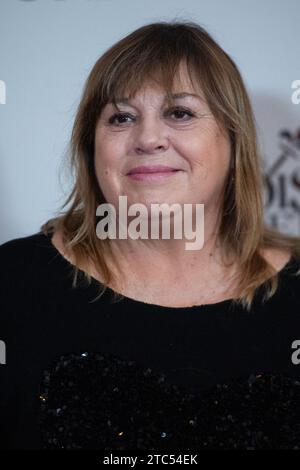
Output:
(151, 138)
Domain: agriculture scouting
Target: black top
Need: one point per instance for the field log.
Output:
(83, 374)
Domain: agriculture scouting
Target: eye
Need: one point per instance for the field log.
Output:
(178, 110)
(113, 118)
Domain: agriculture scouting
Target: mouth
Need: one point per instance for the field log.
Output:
(157, 175)
(152, 172)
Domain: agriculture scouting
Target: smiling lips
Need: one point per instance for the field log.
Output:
(151, 172)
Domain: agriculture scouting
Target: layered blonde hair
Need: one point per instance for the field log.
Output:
(122, 71)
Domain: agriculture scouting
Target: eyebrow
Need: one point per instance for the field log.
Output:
(173, 95)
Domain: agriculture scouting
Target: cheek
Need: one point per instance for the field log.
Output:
(102, 170)
(209, 151)
(106, 159)
(105, 178)
(107, 169)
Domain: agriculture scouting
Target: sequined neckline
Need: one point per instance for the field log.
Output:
(223, 304)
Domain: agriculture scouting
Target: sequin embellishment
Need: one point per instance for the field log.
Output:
(101, 401)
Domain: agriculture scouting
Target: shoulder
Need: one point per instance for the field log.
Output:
(20, 259)
(21, 242)
(287, 298)
(18, 250)
(18, 275)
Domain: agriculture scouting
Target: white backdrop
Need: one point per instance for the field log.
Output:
(47, 48)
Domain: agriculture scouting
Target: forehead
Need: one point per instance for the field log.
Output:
(151, 92)
(184, 86)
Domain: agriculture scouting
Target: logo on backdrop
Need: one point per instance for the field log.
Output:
(282, 203)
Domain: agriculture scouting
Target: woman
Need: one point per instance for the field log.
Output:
(181, 348)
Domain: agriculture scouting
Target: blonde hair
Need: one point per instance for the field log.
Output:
(123, 69)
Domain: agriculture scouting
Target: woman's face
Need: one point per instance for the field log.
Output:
(147, 132)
